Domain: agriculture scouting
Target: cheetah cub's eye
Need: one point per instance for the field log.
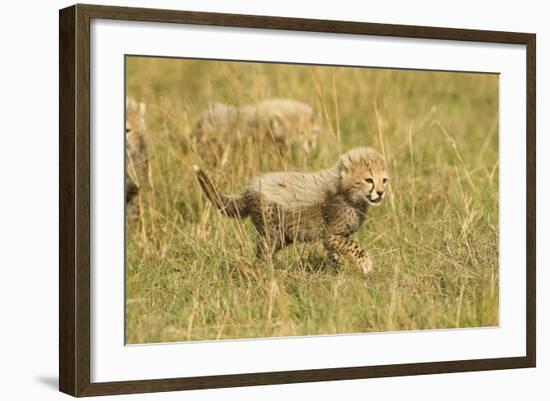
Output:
(369, 180)
(384, 181)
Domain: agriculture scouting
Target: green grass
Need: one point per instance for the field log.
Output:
(191, 273)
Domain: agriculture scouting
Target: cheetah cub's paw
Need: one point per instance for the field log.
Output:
(365, 264)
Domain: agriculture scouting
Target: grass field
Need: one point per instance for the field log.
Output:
(191, 273)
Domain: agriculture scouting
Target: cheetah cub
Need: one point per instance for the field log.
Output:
(137, 159)
(285, 123)
(328, 205)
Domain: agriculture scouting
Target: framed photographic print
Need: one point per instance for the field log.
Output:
(250, 200)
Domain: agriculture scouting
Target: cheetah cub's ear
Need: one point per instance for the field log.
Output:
(344, 165)
(361, 157)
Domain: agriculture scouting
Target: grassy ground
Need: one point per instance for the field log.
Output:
(191, 273)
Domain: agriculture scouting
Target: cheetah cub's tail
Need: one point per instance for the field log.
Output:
(230, 205)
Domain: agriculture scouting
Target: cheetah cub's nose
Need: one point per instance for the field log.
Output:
(380, 193)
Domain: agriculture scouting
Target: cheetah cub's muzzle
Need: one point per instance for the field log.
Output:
(376, 192)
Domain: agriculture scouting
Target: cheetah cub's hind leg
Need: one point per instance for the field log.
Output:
(267, 246)
(268, 222)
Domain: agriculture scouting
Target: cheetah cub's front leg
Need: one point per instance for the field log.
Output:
(343, 245)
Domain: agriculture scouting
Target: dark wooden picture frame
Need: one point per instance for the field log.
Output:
(74, 200)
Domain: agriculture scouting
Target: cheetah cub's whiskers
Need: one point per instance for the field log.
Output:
(328, 205)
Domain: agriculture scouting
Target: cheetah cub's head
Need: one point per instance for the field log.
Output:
(363, 176)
